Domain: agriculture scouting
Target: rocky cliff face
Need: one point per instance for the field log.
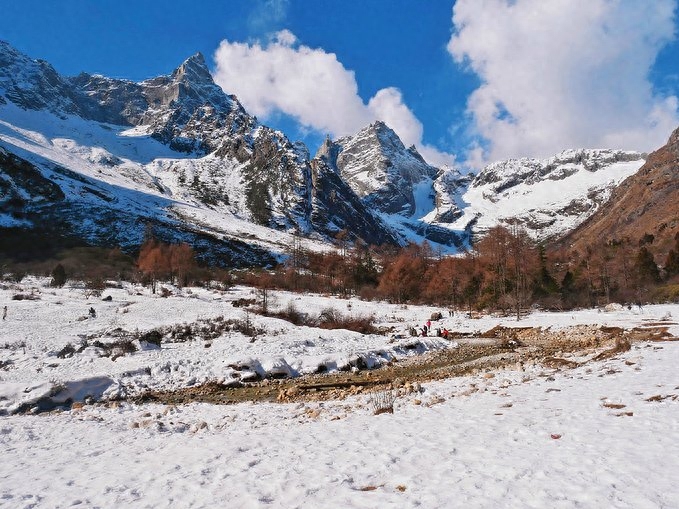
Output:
(336, 208)
(645, 204)
(379, 168)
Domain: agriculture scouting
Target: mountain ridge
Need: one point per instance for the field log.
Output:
(642, 208)
(215, 140)
(198, 165)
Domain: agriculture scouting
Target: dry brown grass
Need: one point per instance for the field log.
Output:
(621, 345)
(382, 402)
(616, 406)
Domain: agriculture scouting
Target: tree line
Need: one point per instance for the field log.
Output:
(504, 271)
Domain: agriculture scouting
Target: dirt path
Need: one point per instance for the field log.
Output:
(497, 348)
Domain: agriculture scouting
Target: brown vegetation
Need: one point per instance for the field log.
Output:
(173, 262)
(641, 211)
(504, 272)
(384, 385)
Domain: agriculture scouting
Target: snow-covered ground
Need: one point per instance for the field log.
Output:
(601, 435)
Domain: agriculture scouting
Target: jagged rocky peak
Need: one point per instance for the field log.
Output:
(378, 167)
(386, 136)
(34, 84)
(377, 148)
(328, 152)
(9, 55)
(193, 69)
(190, 83)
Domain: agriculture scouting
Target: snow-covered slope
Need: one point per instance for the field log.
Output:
(174, 151)
(550, 196)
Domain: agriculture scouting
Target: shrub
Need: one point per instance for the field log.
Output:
(26, 296)
(332, 319)
(120, 348)
(292, 315)
(153, 336)
(242, 303)
(17, 345)
(382, 402)
(94, 286)
(246, 327)
(67, 351)
(58, 275)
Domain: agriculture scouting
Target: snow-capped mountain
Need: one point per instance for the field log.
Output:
(410, 194)
(100, 159)
(550, 196)
(174, 151)
(379, 168)
(642, 209)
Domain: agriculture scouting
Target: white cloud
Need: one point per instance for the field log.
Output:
(564, 73)
(387, 105)
(313, 87)
(285, 37)
(309, 84)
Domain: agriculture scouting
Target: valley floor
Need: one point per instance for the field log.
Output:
(568, 431)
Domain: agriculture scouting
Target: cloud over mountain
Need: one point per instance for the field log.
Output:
(314, 87)
(564, 73)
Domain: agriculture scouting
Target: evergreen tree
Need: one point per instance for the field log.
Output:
(672, 260)
(58, 276)
(672, 263)
(568, 289)
(544, 283)
(646, 267)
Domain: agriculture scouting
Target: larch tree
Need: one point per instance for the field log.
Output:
(154, 261)
(182, 262)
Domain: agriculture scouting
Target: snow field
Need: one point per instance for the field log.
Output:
(600, 435)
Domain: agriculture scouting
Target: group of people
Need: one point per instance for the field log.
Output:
(441, 333)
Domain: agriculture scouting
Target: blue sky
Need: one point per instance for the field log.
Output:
(470, 81)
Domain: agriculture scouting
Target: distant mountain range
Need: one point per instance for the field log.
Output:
(104, 160)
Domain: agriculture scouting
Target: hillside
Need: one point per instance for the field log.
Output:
(643, 204)
(548, 197)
